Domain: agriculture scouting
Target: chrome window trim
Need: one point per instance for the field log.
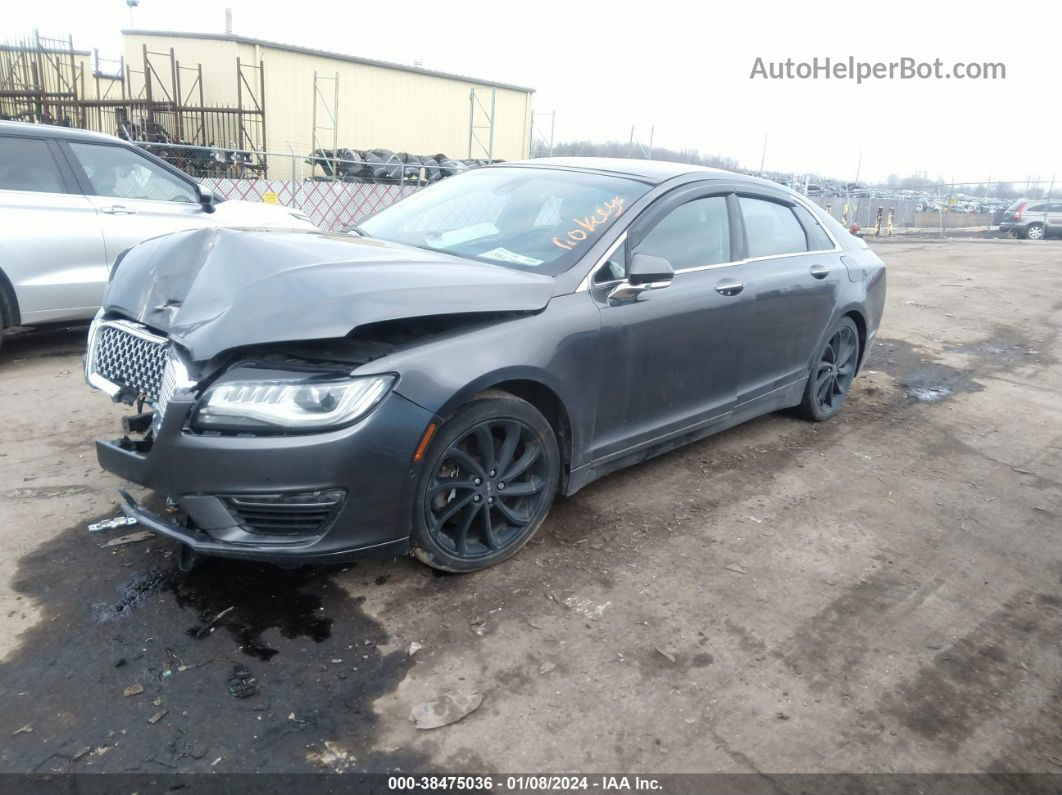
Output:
(699, 268)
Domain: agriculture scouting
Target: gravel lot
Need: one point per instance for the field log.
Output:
(879, 593)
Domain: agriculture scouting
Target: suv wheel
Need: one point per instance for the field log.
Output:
(1034, 231)
(488, 482)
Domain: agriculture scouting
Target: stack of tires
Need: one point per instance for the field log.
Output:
(388, 167)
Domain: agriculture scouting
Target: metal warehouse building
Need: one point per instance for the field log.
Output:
(310, 98)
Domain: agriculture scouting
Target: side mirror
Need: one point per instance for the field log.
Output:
(647, 269)
(646, 273)
(206, 198)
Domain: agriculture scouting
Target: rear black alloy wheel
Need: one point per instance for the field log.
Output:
(832, 374)
(488, 484)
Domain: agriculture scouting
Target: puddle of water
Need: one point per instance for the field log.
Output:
(922, 378)
(929, 395)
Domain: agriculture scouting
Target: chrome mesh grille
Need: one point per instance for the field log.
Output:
(130, 361)
(168, 385)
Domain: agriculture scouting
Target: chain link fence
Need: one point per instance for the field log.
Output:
(334, 188)
(338, 188)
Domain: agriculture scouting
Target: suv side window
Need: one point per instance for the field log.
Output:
(771, 228)
(27, 164)
(818, 240)
(694, 234)
(122, 173)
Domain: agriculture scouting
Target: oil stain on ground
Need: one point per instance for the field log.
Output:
(132, 663)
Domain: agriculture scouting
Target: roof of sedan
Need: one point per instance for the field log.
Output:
(655, 171)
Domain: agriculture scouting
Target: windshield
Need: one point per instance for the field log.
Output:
(530, 219)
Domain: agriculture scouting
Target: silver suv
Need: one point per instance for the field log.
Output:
(1034, 219)
(72, 200)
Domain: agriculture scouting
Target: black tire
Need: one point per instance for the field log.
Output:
(832, 372)
(1034, 232)
(464, 520)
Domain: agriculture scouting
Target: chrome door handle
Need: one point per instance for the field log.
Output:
(118, 209)
(729, 287)
(820, 271)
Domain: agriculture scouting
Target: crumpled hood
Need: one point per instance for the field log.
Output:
(214, 289)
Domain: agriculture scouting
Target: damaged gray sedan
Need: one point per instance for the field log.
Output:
(431, 381)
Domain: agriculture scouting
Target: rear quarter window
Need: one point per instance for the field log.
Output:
(818, 240)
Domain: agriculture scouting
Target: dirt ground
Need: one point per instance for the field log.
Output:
(879, 593)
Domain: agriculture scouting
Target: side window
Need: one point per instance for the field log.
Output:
(693, 234)
(1036, 208)
(27, 164)
(818, 240)
(122, 173)
(771, 228)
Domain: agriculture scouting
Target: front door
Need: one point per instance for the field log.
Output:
(670, 357)
(136, 198)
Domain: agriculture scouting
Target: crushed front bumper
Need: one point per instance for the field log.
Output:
(209, 477)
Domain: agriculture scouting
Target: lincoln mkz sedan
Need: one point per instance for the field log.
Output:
(429, 382)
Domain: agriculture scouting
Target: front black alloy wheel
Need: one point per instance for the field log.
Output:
(832, 373)
(488, 483)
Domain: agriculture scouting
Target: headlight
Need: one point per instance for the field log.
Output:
(306, 403)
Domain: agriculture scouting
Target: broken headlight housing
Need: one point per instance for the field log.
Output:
(300, 404)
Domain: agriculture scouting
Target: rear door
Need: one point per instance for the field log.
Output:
(51, 244)
(792, 276)
(136, 197)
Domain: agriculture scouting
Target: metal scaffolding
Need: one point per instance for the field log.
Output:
(158, 100)
(481, 123)
(325, 120)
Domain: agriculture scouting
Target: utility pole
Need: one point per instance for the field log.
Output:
(859, 165)
(763, 157)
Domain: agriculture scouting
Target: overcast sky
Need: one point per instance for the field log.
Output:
(683, 67)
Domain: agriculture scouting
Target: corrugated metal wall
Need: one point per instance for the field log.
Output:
(378, 107)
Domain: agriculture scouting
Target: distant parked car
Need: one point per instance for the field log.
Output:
(72, 200)
(1033, 219)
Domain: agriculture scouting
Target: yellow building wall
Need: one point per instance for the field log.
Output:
(377, 107)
